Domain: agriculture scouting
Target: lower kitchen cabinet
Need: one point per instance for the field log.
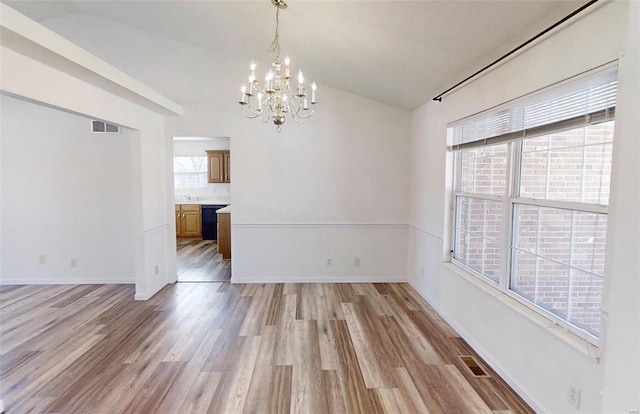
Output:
(224, 235)
(178, 220)
(210, 221)
(188, 220)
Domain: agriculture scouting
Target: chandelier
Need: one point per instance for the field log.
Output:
(277, 97)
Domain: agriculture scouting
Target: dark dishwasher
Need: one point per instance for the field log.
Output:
(210, 221)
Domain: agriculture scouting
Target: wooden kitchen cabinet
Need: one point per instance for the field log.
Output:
(219, 167)
(224, 235)
(188, 220)
(227, 166)
(178, 221)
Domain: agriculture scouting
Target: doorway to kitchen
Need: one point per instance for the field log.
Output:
(200, 261)
(202, 190)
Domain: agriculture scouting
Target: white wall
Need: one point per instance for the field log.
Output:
(67, 194)
(298, 196)
(215, 193)
(342, 175)
(199, 147)
(621, 342)
(153, 197)
(534, 356)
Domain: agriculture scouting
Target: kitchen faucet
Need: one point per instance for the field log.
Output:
(187, 196)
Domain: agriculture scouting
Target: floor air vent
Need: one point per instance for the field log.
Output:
(473, 366)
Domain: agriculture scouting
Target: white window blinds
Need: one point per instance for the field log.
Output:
(584, 100)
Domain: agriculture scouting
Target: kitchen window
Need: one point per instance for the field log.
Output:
(189, 172)
(531, 190)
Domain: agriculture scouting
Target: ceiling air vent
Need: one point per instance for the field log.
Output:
(101, 127)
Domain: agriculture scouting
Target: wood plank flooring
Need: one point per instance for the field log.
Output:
(235, 348)
(199, 261)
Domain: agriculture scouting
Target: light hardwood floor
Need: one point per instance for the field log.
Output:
(225, 348)
(200, 261)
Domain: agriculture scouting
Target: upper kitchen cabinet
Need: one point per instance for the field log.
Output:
(219, 171)
(227, 166)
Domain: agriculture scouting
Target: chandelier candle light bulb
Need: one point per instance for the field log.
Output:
(277, 97)
(287, 73)
(300, 84)
(269, 86)
(243, 100)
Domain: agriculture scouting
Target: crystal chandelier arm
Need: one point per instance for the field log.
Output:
(251, 109)
(253, 114)
(301, 117)
(301, 108)
(294, 105)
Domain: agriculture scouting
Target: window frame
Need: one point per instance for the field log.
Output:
(504, 199)
(510, 199)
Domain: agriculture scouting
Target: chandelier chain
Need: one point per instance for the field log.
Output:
(275, 45)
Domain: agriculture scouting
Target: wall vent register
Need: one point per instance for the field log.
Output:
(101, 127)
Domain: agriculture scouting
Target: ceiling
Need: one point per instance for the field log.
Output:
(397, 52)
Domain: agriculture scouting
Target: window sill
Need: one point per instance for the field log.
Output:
(574, 341)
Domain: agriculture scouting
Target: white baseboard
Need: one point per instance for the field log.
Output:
(74, 281)
(149, 295)
(492, 363)
(327, 279)
(143, 296)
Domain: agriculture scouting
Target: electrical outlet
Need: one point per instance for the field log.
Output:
(573, 396)
(356, 261)
(156, 270)
(42, 258)
(74, 262)
(329, 263)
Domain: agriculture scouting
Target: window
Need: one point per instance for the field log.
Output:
(479, 209)
(189, 172)
(531, 189)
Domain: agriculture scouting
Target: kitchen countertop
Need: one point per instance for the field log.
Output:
(227, 209)
(205, 202)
